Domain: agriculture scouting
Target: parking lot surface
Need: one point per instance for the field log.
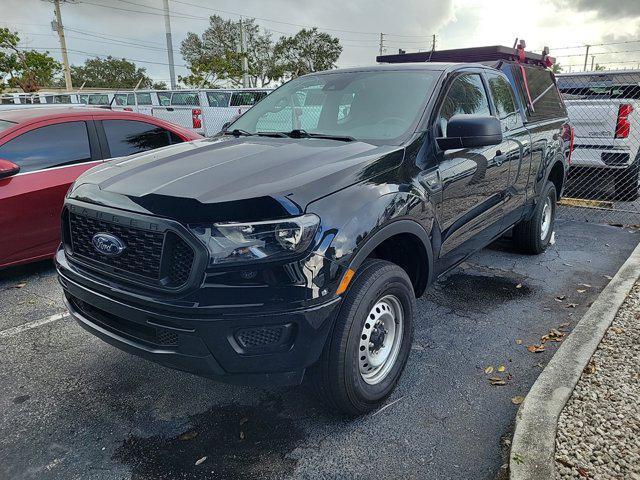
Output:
(76, 408)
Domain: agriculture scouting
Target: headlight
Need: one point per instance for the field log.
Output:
(246, 242)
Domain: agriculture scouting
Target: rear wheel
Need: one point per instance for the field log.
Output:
(626, 183)
(533, 236)
(370, 342)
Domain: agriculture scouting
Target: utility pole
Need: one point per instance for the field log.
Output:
(243, 52)
(433, 43)
(586, 58)
(167, 29)
(381, 44)
(593, 59)
(63, 46)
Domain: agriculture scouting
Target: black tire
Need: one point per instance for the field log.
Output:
(626, 183)
(336, 377)
(527, 235)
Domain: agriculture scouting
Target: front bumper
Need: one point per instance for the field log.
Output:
(253, 349)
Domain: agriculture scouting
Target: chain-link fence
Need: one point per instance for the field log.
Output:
(603, 181)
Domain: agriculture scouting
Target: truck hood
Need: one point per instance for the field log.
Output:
(229, 178)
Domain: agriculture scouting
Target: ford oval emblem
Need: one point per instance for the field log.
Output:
(108, 244)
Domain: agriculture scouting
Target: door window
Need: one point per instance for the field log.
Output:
(126, 137)
(185, 98)
(502, 94)
(49, 146)
(143, 98)
(466, 96)
(243, 99)
(218, 99)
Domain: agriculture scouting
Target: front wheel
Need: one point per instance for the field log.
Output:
(533, 236)
(370, 342)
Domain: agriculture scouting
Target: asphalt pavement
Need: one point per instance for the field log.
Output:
(76, 408)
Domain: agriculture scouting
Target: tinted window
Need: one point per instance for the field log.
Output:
(218, 99)
(186, 98)
(144, 98)
(120, 99)
(239, 99)
(164, 98)
(126, 137)
(61, 99)
(544, 95)
(466, 96)
(50, 146)
(502, 95)
(98, 100)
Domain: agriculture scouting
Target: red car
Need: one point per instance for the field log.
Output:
(43, 151)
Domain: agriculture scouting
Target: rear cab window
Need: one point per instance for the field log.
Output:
(185, 98)
(49, 146)
(126, 137)
(539, 94)
(144, 98)
(98, 100)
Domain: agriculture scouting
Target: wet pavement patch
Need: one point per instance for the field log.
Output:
(238, 442)
(473, 291)
(21, 399)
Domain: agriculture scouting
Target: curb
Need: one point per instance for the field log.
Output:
(534, 440)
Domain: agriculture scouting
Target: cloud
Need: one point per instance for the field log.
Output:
(604, 8)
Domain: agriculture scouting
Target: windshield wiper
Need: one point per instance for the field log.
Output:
(238, 132)
(300, 133)
(273, 134)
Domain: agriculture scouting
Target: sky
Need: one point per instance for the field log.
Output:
(134, 29)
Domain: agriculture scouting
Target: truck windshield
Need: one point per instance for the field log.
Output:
(366, 105)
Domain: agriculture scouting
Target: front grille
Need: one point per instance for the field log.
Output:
(162, 259)
(141, 256)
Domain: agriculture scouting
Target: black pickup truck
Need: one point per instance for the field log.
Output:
(294, 244)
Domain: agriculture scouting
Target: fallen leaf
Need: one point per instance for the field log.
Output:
(585, 285)
(518, 341)
(535, 348)
(497, 381)
(564, 325)
(188, 435)
(560, 298)
(502, 368)
(200, 460)
(488, 370)
(617, 330)
(590, 368)
(20, 285)
(572, 305)
(608, 277)
(564, 462)
(518, 458)
(517, 400)
(581, 290)
(519, 285)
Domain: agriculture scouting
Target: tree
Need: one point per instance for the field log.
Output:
(214, 56)
(307, 51)
(599, 68)
(556, 68)
(109, 73)
(27, 69)
(159, 86)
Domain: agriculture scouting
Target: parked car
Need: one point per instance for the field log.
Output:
(43, 150)
(604, 108)
(263, 257)
(205, 111)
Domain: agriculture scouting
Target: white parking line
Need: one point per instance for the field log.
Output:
(10, 332)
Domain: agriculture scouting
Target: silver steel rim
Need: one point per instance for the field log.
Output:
(547, 210)
(380, 339)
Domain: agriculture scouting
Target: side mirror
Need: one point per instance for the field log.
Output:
(8, 169)
(471, 131)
